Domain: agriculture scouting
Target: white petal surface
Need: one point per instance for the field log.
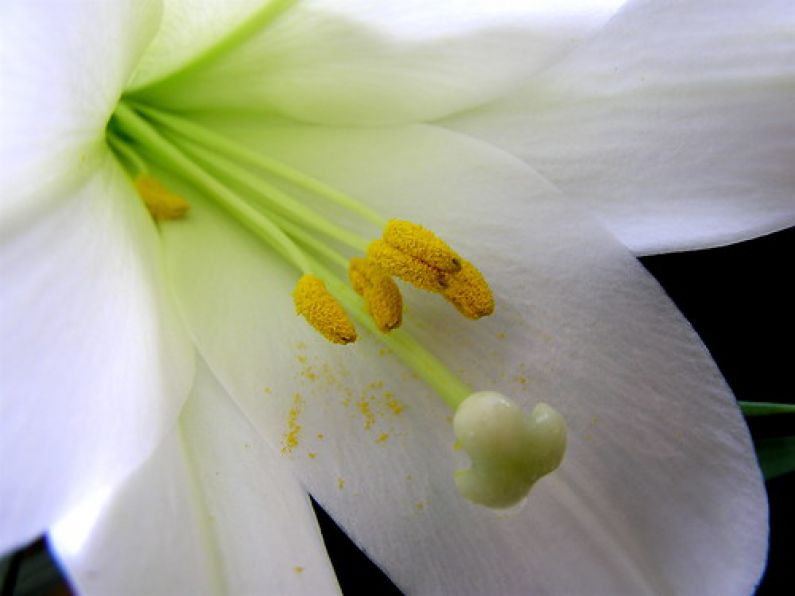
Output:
(363, 62)
(213, 511)
(674, 124)
(63, 65)
(95, 363)
(659, 491)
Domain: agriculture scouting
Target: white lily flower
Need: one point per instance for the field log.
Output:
(164, 413)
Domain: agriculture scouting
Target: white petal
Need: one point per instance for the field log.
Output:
(674, 124)
(95, 361)
(63, 65)
(357, 61)
(659, 490)
(213, 511)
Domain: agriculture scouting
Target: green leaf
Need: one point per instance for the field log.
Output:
(764, 408)
(776, 456)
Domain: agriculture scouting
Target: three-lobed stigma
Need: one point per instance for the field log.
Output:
(510, 450)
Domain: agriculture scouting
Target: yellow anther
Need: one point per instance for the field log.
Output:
(421, 244)
(161, 202)
(406, 267)
(321, 310)
(469, 292)
(380, 293)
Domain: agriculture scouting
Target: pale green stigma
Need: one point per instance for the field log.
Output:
(509, 449)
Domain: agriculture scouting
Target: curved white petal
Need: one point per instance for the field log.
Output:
(674, 123)
(659, 490)
(63, 65)
(214, 510)
(363, 62)
(95, 363)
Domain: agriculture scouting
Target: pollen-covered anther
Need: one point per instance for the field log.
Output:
(161, 202)
(321, 310)
(422, 244)
(379, 291)
(409, 269)
(469, 292)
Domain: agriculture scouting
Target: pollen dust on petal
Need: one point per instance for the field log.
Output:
(291, 437)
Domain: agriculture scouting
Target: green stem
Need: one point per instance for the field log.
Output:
(276, 197)
(148, 137)
(236, 151)
(268, 13)
(427, 366)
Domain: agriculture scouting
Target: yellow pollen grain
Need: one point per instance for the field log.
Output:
(321, 436)
(367, 413)
(311, 455)
(290, 441)
(321, 310)
(298, 569)
(419, 505)
(422, 244)
(469, 292)
(161, 202)
(380, 293)
(395, 405)
(340, 483)
(406, 267)
(382, 438)
(521, 379)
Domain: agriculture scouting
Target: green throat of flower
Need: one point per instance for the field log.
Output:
(509, 449)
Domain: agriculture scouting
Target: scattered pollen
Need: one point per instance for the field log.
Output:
(290, 441)
(298, 569)
(161, 202)
(521, 379)
(311, 455)
(321, 310)
(395, 405)
(340, 483)
(321, 436)
(367, 413)
(419, 505)
(382, 438)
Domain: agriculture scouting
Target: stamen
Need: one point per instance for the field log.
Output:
(510, 451)
(161, 202)
(406, 267)
(421, 244)
(469, 292)
(380, 293)
(321, 310)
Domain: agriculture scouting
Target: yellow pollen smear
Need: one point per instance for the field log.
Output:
(161, 202)
(421, 244)
(380, 293)
(469, 292)
(321, 310)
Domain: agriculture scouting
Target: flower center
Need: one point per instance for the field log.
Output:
(509, 450)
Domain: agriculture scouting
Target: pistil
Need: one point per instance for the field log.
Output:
(509, 450)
